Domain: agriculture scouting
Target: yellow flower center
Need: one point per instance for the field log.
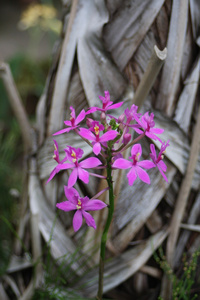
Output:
(78, 206)
(137, 156)
(54, 156)
(73, 155)
(96, 129)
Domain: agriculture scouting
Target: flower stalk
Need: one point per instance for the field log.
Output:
(107, 226)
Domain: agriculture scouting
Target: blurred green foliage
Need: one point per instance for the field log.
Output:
(30, 78)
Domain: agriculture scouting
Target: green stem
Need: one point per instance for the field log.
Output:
(107, 226)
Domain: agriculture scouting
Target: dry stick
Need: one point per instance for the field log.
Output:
(191, 227)
(181, 204)
(36, 248)
(37, 253)
(16, 104)
(156, 61)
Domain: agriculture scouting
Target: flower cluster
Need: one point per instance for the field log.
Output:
(109, 137)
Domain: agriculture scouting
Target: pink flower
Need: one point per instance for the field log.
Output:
(107, 104)
(73, 154)
(73, 123)
(131, 113)
(95, 126)
(135, 165)
(95, 137)
(147, 123)
(56, 152)
(158, 161)
(81, 205)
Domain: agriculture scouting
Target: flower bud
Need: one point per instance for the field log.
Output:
(121, 118)
(89, 122)
(126, 138)
(103, 117)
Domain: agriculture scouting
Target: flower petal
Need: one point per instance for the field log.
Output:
(90, 162)
(157, 130)
(109, 135)
(87, 134)
(64, 130)
(66, 206)
(137, 148)
(73, 178)
(80, 117)
(131, 176)
(65, 166)
(71, 194)
(138, 130)
(52, 174)
(89, 219)
(116, 105)
(152, 136)
(147, 164)
(153, 150)
(83, 175)
(122, 163)
(94, 205)
(162, 173)
(68, 123)
(77, 220)
(143, 175)
(97, 148)
(162, 165)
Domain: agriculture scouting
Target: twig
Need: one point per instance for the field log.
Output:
(190, 227)
(10, 281)
(3, 294)
(16, 104)
(156, 61)
(37, 248)
(29, 292)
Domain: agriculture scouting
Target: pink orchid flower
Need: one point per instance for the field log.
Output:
(56, 152)
(81, 205)
(107, 104)
(73, 154)
(74, 121)
(131, 113)
(135, 165)
(158, 161)
(147, 123)
(95, 137)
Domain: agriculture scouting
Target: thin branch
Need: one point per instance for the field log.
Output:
(16, 104)
(191, 227)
